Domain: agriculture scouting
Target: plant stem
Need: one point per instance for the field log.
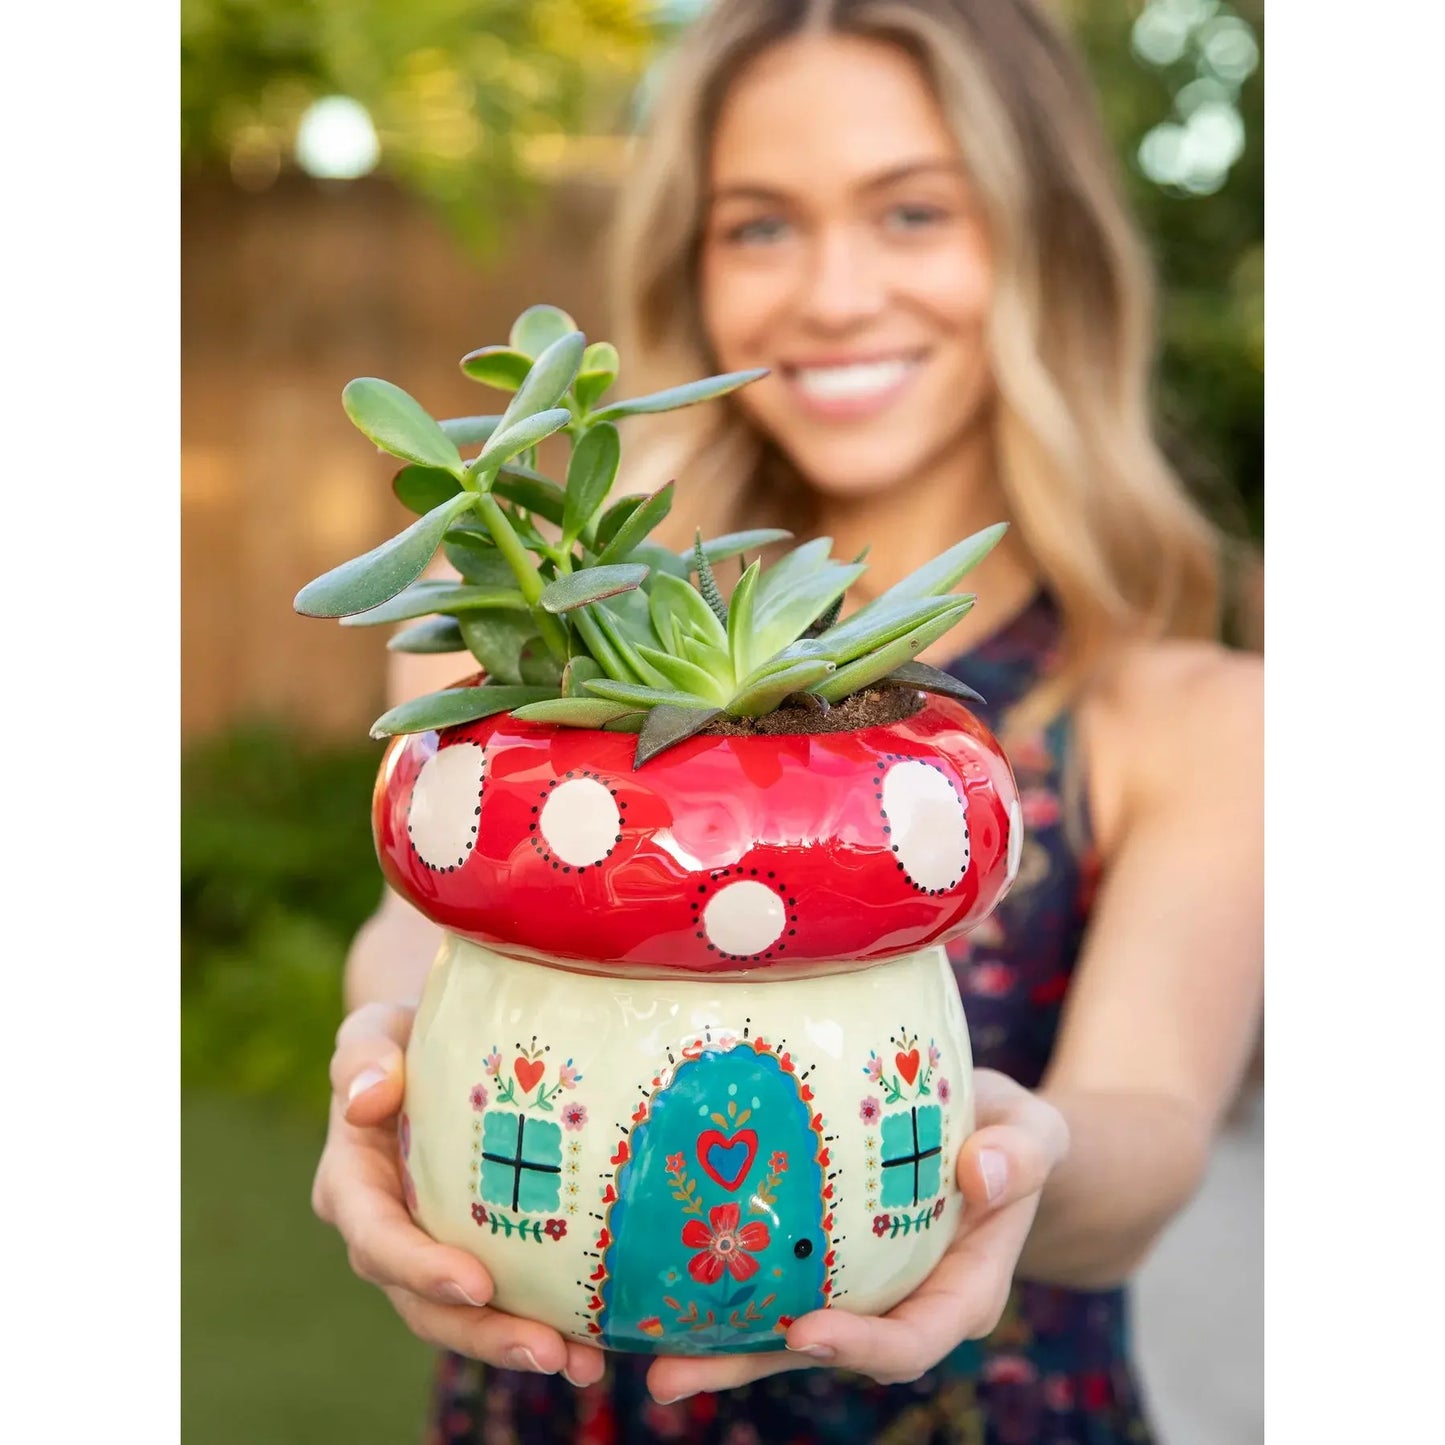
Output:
(520, 561)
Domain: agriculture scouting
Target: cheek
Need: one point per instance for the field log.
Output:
(738, 301)
(955, 285)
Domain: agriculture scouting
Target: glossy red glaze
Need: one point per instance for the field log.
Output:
(803, 816)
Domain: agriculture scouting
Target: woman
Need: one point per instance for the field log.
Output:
(904, 209)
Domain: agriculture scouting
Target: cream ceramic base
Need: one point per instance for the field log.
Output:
(683, 1166)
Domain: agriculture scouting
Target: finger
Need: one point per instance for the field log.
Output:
(674, 1377)
(368, 1071)
(385, 1247)
(489, 1335)
(585, 1365)
(1019, 1141)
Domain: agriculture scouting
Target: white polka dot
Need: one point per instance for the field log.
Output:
(442, 820)
(580, 821)
(1015, 839)
(927, 826)
(744, 918)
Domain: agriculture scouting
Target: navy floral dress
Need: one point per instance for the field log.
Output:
(1056, 1371)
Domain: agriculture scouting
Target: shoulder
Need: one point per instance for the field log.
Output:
(1168, 722)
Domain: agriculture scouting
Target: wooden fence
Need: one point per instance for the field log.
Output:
(287, 295)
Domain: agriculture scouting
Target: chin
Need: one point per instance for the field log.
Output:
(847, 471)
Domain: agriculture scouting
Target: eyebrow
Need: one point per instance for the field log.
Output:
(751, 190)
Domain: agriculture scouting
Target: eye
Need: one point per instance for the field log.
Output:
(913, 217)
(760, 231)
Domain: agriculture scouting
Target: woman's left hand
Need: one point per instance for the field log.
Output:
(1001, 1169)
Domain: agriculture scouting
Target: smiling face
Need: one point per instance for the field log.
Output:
(844, 249)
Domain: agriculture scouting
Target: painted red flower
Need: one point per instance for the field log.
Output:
(938, 1209)
(555, 1228)
(881, 1224)
(479, 1213)
(650, 1326)
(724, 1246)
(674, 1163)
(778, 1163)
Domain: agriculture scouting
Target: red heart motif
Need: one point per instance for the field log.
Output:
(907, 1064)
(529, 1073)
(724, 1160)
(609, 1195)
(621, 1155)
(599, 1273)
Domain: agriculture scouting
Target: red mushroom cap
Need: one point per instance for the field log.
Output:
(721, 855)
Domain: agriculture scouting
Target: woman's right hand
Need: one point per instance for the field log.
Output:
(442, 1293)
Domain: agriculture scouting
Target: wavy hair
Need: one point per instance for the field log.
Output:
(1119, 541)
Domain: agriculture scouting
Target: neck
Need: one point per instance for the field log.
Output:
(905, 527)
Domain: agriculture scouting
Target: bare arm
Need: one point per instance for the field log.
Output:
(1164, 1006)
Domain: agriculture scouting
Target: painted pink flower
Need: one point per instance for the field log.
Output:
(874, 1067)
(724, 1246)
(555, 1228)
(568, 1076)
(869, 1110)
(933, 1055)
(945, 1091)
(493, 1063)
(574, 1116)
(479, 1213)
(478, 1097)
(881, 1224)
(674, 1163)
(779, 1162)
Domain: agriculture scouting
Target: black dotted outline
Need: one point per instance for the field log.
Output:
(477, 812)
(963, 808)
(534, 835)
(781, 889)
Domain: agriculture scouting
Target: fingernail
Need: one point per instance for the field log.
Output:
(675, 1399)
(818, 1352)
(523, 1359)
(576, 1384)
(993, 1165)
(368, 1078)
(453, 1293)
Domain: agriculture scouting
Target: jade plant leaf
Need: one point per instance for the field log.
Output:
(662, 560)
(377, 576)
(600, 364)
(538, 327)
(434, 634)
(577, 671)
(689, 394)
(640, 694)
(496, 640)
(531, 491)
(590, 474)
(425, 597)
(579, 588)
(547, 381)
(579, 712)
(452, 706)
(734, 544)
(469, 431)
(476, 559)
(423, 489)
(399, 424)
(497, 366)
(665, 726)
(634, 523)
(518, 436)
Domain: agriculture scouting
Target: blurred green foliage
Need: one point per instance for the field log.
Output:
(277, 873)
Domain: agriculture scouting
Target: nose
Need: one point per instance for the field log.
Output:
(845, 283)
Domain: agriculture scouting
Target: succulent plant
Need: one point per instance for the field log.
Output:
(574, 615)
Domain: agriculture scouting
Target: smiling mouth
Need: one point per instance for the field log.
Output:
(858, 381)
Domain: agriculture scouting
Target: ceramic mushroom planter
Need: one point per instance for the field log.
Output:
(691, 1061)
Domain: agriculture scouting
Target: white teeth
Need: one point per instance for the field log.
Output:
(838, 383)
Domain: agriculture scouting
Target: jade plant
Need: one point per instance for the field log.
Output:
(574, 615)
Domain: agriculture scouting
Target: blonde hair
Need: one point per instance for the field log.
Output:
(1120, 543)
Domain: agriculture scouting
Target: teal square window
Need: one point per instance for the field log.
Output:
(912, 1156)
(521, 1161)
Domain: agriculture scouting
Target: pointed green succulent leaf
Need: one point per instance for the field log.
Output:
(424, 598)
(469, 431)
(686, 676)
(577, 671)
(734, 544)
(805, 560)
(942, 574)
(497, 640)
(631, 723)
(784, 616)
(547, 381)
(399, 424)
(859, 634)
(712, 659)
(538, 327)
(591, 585)
(532, 492)
(931, 679)
(577, 712)
(763, 695)
(740, 621)
(641, 517)
(434, 634)
(377, 576)
(596, 641)
(622, 645)
(632, 613)
(423, 489)
(665, 726)
(497, 366)
(611, 520)
(674, 602)
(688, 394)
(519, 436)
(452, 706)
(707, 583)
(866, 670)
(590, 474)
(662, 560)
(600, 364)
(640, 695)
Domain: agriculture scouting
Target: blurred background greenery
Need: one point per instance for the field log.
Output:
(474, 137)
